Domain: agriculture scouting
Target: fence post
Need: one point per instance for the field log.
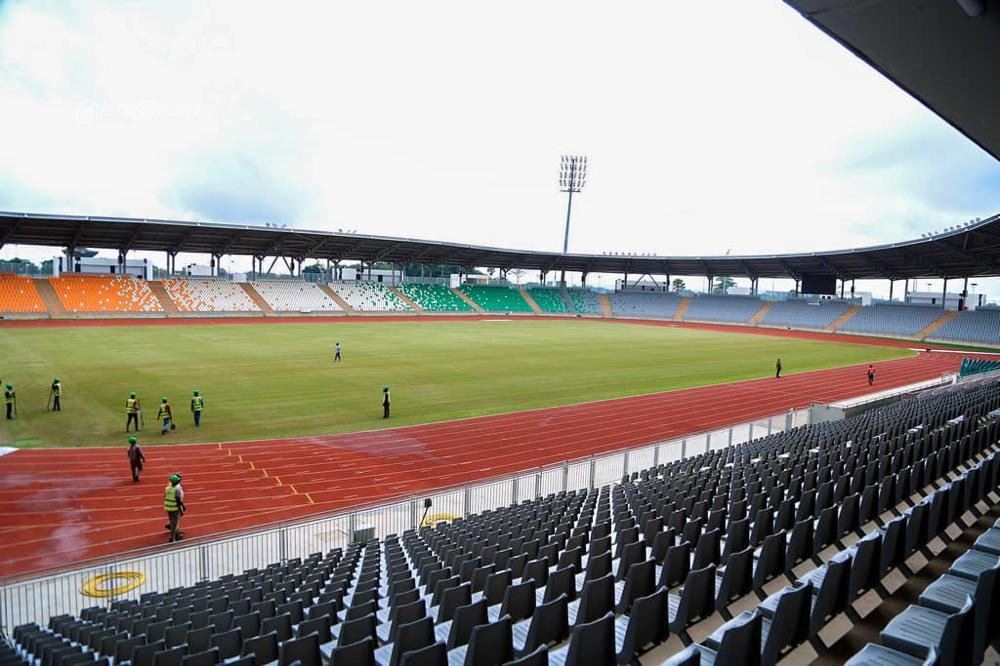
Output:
(750, 435)
(769, 428)
(565, 476)
(538, 484)
(352, 526)
(513, 490)
(656, 455)
(684, 448)
(283, 543)
(467, 500)
(708, 442)
(625, 464)
(414, 512)
(593, 472)
(204, 562)
(730, 437)
(789, 419)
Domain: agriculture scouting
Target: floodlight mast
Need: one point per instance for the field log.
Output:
(572, 178)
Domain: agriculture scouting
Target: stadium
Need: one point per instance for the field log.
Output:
(393, 452)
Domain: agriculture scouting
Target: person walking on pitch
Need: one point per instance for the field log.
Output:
(777, 368)
(336, 353)
(10, 398)
(165, 415)
(197, 404)
(173, 504)
(135, 458)
(55, 392)
(133, 410)
(385, 402)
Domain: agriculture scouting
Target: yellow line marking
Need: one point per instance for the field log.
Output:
(294, 491)
(220, 445)
(251, 464)
(310, 499)
(265, 472)
(241, 458)
(229, 452)
(278, 480)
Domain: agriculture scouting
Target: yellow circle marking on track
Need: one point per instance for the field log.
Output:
(94, 587)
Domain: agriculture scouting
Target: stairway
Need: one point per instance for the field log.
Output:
(406, 299)
(682, 309)
(48, 295)
(530, 301)
(844, 318)
(257, 299)
(605, 304)
(461, 294)
(926, 331)
(160, 292)
(757, 316)
(564, 294)
(335, 297)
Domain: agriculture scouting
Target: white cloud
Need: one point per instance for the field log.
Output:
(709, 126)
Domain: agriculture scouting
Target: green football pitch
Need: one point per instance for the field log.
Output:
(279, 380)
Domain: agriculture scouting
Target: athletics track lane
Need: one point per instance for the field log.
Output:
(66, 505)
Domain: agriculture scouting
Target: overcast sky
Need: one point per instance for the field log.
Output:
(709, 126)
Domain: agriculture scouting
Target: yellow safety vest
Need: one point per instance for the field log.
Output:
(57, 389)
(163, 413)
(130, 405)
(197, 404)
(170, 498)
(8, 397)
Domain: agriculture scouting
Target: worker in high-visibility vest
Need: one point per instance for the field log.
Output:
(165, 415)
(9, 397)
(56, 391)
(135, 458)
(197, 404)
(132, 409)
(173, 504)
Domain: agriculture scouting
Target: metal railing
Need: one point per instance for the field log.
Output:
(38, 598)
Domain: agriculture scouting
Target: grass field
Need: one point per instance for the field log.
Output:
(266, 380)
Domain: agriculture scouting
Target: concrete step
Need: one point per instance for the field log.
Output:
(844, 318)
(945, 317)
(682, 309)
(461, 294)
(160, 292)
(335, 297)
(406, 299)
(761, 313)
(605, 304)
(530, 301)
(257, 298)
(48, 295)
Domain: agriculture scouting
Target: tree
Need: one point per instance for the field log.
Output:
(679, 284)
(517, 273)
(314, 268)
(722, 285)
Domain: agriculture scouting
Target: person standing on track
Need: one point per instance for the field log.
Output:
(132, 409)
(871, 375)
(173, 504)
(56, 393)
(336, 354)
(165, 415)
(197, 404)
(135, 458)
(385, 402)
(777, 368)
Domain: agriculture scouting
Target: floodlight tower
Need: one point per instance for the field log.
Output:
(572, 178)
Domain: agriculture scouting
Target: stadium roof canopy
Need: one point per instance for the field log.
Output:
(968, 251)
(946, 53)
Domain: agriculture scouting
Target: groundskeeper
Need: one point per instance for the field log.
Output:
(10, 398)
(173, 504)
(197, 404)
(55, 393)
(135, 458)
(165, 415)
(133, 410)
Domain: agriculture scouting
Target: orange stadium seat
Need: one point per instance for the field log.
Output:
(18, 294)
(100, 293)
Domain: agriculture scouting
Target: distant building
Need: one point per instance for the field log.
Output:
(140, 268)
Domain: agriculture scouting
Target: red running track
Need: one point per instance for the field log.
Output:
(62, 506)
